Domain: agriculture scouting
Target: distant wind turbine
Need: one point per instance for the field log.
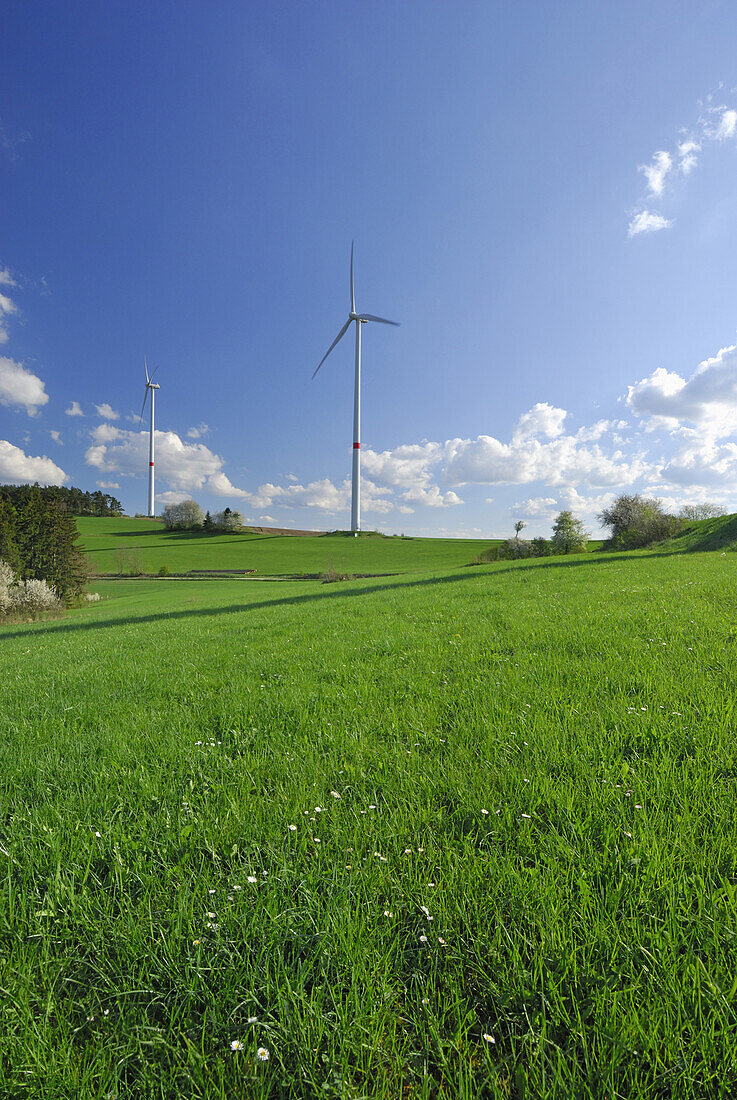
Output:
(151, 387)
(360, 319)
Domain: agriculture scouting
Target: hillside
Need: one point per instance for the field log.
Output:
(115, 546)
(704, 534)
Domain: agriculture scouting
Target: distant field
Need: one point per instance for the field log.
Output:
(112, 543)
(467, 833)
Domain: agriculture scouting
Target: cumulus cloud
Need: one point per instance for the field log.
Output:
(107, 485)
(75, 409)
(646, 222)
(19, 386)
(6, 279)
(656, 171)
(16, 467)
(708, 399)
(107, 411)
(541, 420)
(56, 436)
(185, 466)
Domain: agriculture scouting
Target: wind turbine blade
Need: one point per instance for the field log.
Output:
(143, 406)
(340, 336)
(382, 320)
(153, 372)
(353, 293)
(145, 367)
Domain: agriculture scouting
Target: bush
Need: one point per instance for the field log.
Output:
(184, 516)
(569, 536)
(637, 521)
(31, 596)
(515, 548)
(164, 570)
(539, 548)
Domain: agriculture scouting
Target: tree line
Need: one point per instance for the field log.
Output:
(38, 536)
(75, 501)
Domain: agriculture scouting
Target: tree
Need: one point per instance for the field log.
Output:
(183, 516)
(518, 527)
(228, 520)
(637, 521)
(8, 539)
(569, 535)
(539, 548)
(207, 524)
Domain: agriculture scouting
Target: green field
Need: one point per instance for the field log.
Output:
(456, 833)
(112, 545)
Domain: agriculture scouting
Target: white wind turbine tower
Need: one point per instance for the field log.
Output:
(360, 319)
(151, 388)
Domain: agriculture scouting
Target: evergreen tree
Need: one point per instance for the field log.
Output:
(8, 543)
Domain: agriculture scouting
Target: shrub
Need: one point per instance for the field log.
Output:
(539, 548)
(637, 521)
(515, 548)
(34, 596)
(92, 597)
(183, 516)
(164, 571)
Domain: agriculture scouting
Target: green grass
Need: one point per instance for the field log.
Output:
(588, 916)
(704, 534)
(113, 545)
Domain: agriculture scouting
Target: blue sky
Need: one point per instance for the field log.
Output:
(542, 194)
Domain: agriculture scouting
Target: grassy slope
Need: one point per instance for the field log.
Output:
(705, 534)
(103, 539)
(588, 917)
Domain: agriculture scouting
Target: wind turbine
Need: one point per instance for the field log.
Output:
(151, 388)
(360, 319)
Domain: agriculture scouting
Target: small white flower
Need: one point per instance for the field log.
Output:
(251, 878)
(196, 942)
(253, 1019)
(292, 828)
(441, 941)
(317, 840)
(638, 806)
(211, 916)
(425, 910)
(388, 913)
(488, 1038)
(526, 815)
(262, 1054)
(485, 813)
(629, 835)
(214, 927)
(211, 891)
(335, 794)
(426, 1000)
(236, 1044)
(372, 807)
(423, 939)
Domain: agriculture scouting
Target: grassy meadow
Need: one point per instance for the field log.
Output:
(455, 833)
(114, 546)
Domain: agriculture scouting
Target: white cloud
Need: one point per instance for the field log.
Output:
(687, 158)
(6, 279)
(727, 125)
(646, 222)
(75, 409)
(431, 498)
(655, 173)
(186, 467)
(56, 436)
(107, 411)
(197, 433)
(541, 420)
(19, 386)
(267, 519)
(107, 485)
(16, 467)
(708, 399)
(7, 309)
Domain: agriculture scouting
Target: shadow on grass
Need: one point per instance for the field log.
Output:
(334, 592)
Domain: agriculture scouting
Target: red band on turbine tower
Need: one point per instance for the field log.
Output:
(356, 446)
(150, 463)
